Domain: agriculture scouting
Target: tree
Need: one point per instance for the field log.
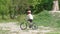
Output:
(40, 5)
(4, 7)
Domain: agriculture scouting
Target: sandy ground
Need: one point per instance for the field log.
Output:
(15, 29)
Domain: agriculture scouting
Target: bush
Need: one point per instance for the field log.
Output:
(46, 19)
(43, 18)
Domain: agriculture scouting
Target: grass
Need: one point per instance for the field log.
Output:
(43, 18)
(56, 31)
(46, 19)
(4, 31)
(53, 33)
(6, 19)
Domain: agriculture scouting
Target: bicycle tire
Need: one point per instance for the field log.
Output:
(23, 24)
(34, 27)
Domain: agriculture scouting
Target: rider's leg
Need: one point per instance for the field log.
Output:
(30, 23)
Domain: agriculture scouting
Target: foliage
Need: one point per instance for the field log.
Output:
(43, 5)
(59, 3)
(4, 7)
(14, 8)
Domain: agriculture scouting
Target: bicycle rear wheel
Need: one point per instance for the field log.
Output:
(23, 26)
(34, 26)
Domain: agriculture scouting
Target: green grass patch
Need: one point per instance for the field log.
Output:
(7, 19)
(46, 19)
(53, 33)
(43, 18)
(4, 31)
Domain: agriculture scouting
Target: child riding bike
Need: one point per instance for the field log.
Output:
(29, 17)
(29, 23)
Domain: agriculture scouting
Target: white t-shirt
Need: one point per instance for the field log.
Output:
(30, 16)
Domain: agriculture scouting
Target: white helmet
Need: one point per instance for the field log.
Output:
(29, 11)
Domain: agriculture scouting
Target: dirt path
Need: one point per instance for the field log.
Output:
(15, 29)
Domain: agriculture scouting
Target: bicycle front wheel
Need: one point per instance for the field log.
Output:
(23, 26)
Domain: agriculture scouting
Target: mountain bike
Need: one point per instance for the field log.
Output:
(25, 25)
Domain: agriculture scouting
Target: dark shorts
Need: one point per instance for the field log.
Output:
(30, 20)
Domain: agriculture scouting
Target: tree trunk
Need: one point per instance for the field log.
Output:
(55, 5)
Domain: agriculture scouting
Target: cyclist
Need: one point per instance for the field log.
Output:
(29, 17)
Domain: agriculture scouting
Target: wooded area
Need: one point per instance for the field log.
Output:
(18, 7)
